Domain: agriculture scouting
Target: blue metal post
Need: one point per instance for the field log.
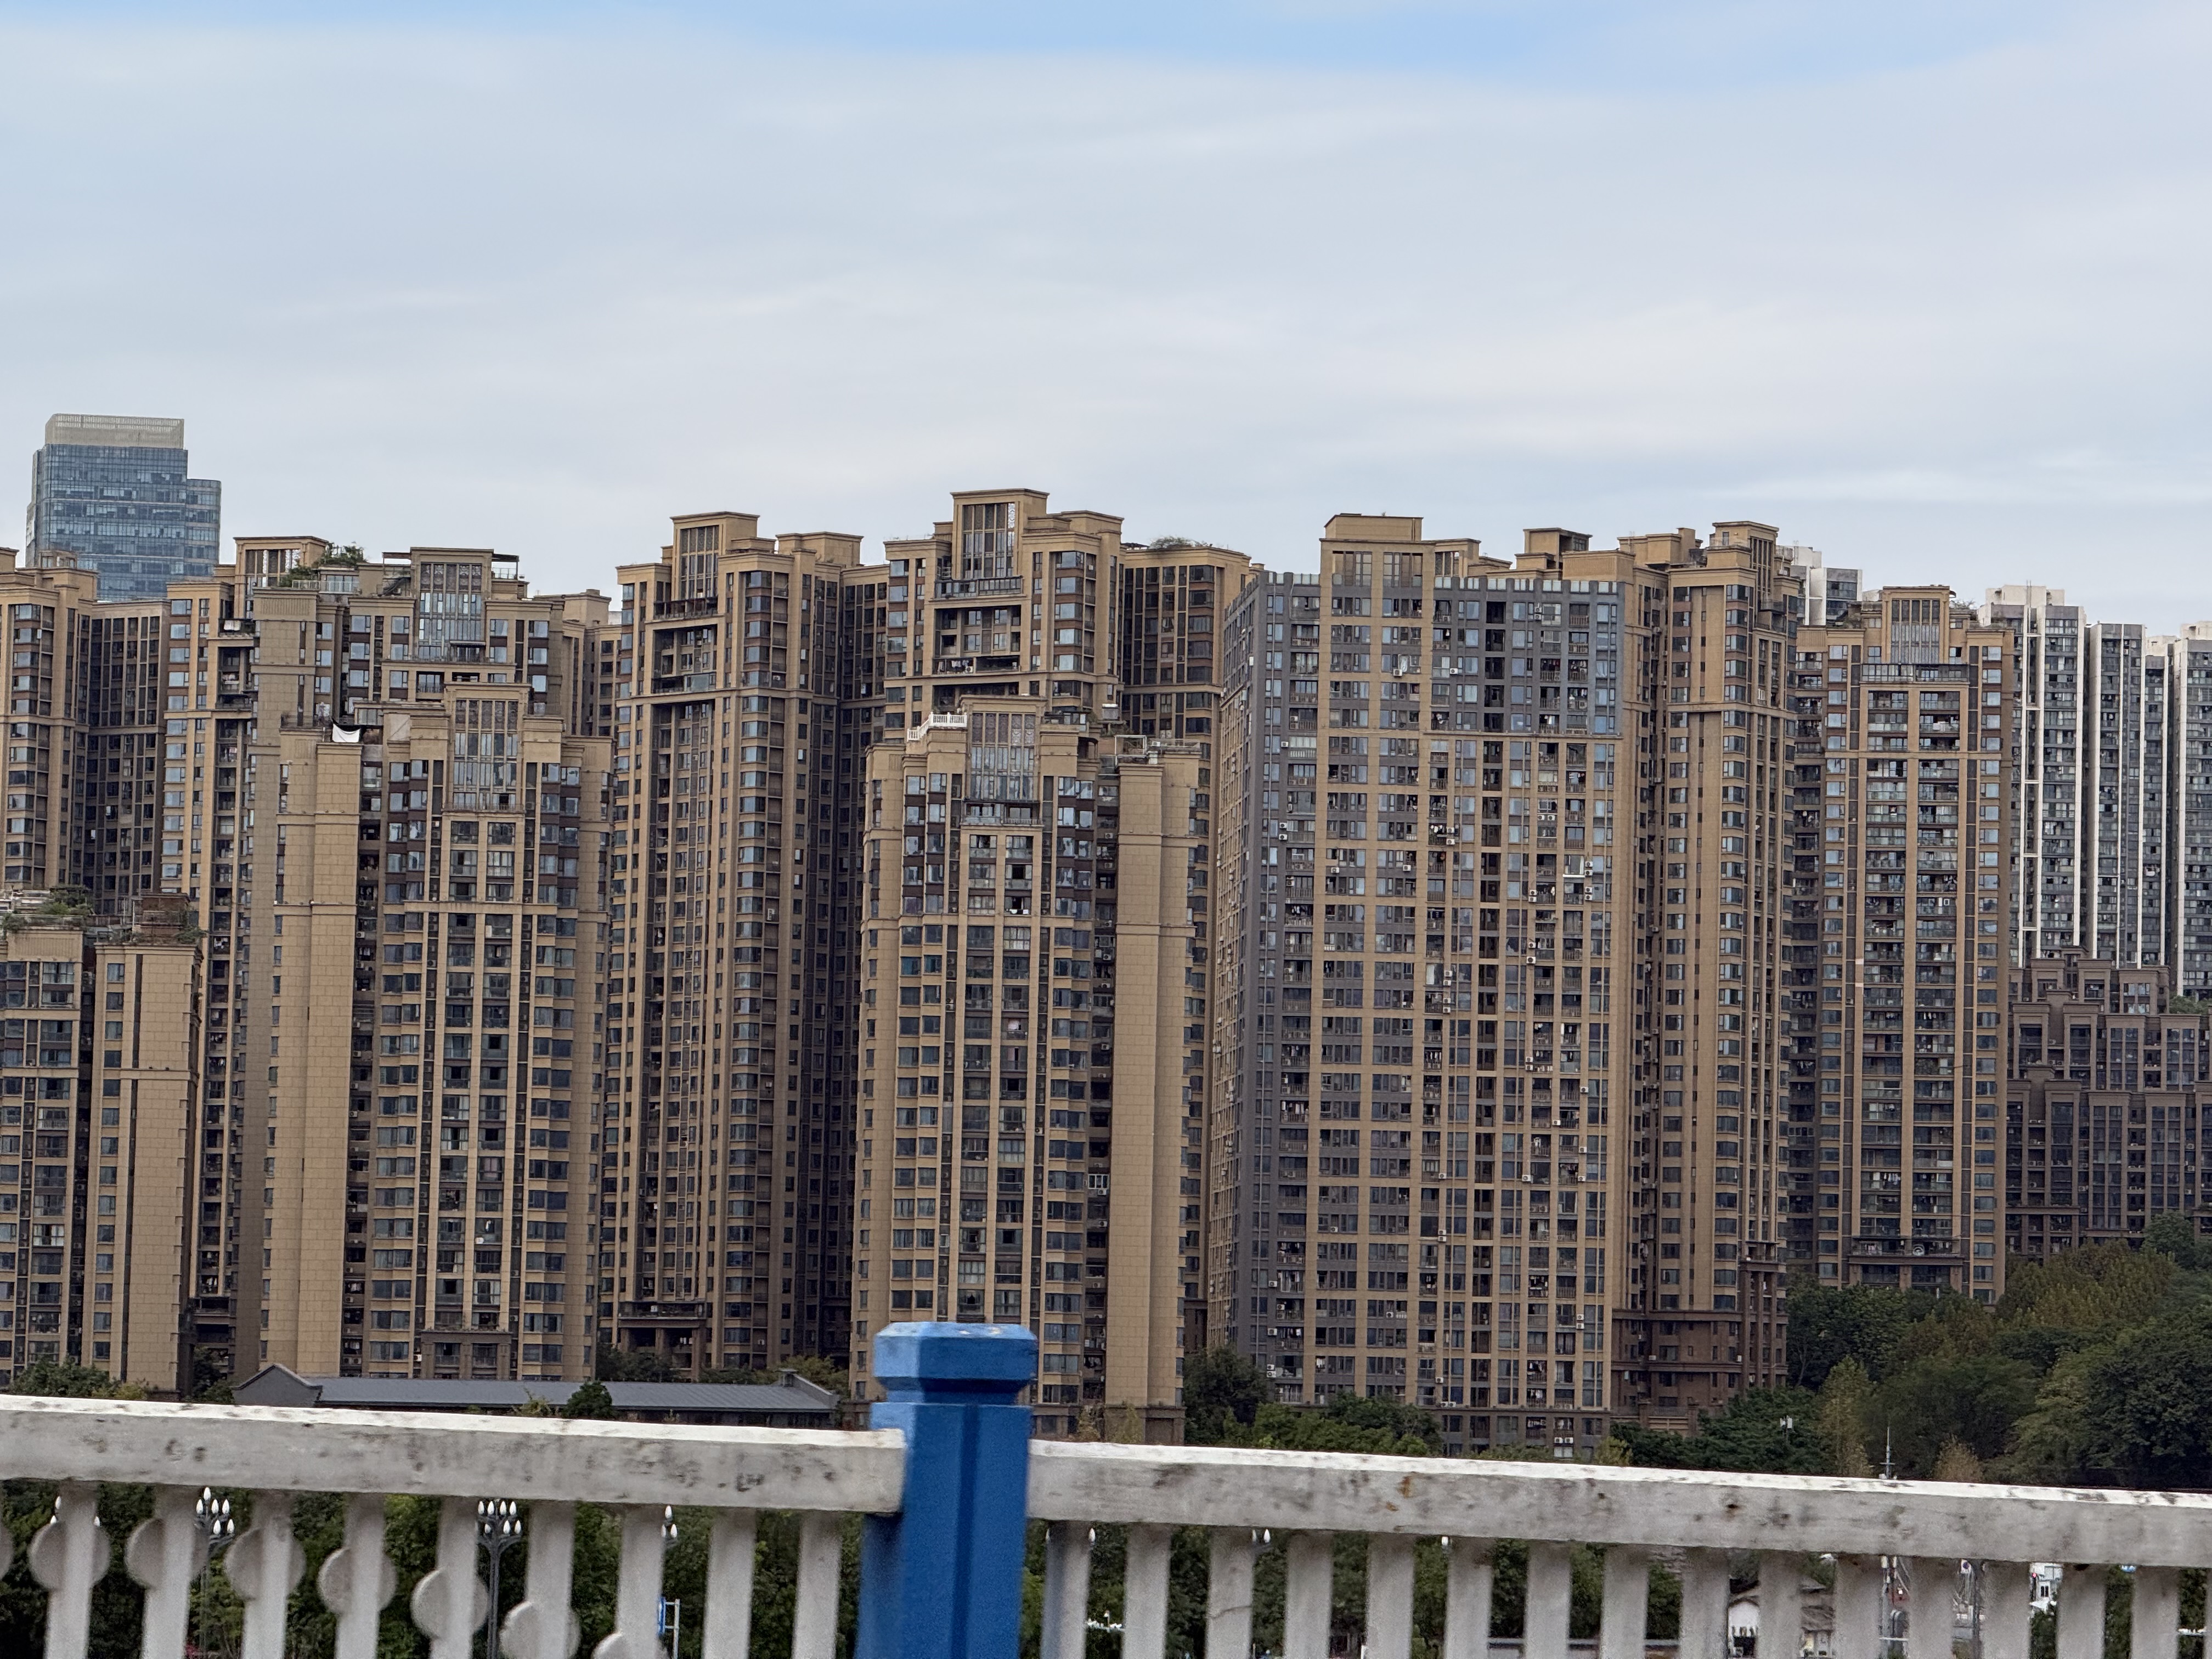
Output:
(943, 1578)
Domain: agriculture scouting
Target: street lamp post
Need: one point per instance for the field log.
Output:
(498, 1528)
(211, 1514)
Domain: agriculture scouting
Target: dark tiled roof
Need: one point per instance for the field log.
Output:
(793, 1397)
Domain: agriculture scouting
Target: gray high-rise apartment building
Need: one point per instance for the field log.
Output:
(1500, 1019)
(2114, 787)
(113, 494)
(1901, 903)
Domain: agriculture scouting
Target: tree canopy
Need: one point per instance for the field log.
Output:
(2094, 1369)
(1221, 1388)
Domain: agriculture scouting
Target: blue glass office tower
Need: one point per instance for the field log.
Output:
(112, 494)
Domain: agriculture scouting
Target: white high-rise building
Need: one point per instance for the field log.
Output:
(1831, 590)
(2114, 777)
(2047, 906)
(2188, 658)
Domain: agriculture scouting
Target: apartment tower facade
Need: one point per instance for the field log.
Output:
(2106, 1091)
(374, 767)
(1589, 952)
(1903, 918)
(1036, 949)
(745, 707)
(97, 1066)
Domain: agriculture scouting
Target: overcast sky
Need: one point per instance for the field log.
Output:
(1925, 284)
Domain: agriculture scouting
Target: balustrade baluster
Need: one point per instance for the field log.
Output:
(1704, 1632)
(1144, 1593)
(1391, 1596)
(814, 1625)
(1550, 1602)
(1468, 1577)
(1626, 1601)
(637, 1585)
(1307, 1598)
(2081, 1612)
(541, 1626)
(357, 1579)
(450, 1602)
(1228, 1591)
(263, 1566)
(1861, 1609)
(163, 1554)
(727, 1632)
(2007, 1592)
(68, 1555)
(2154, 1630)
(1067, 1589)
(1932, 1617)
(1781, 1604)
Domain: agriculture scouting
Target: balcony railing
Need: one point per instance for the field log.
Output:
(948, 1478)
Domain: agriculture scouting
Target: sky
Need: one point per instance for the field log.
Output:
(1926, 285)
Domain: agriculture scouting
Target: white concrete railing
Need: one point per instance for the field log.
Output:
(548, 1465)
(1696, 1523)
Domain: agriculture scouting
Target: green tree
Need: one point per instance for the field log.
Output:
(591, 1400)
(813, 1367)
(64, 1378)
(1956, 1461)
(1221, 1386)
(1974, 1400)
(1953, 1328)
(2135, 1411)
(822, 1371)
(2096, 1288)
(1346, 1424)
(2174, 1235)
(1774, 1431)
(1830, 1322)
(2050, 1442)
(614, 1364)
(1841, 1413)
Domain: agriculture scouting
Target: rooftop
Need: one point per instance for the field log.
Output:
(790, 1399)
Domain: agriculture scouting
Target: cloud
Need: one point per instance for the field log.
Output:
(539, 288)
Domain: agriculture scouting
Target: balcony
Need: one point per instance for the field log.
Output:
(947, 1479)
(1891, 1247)
(707, 605)
(666, 1313)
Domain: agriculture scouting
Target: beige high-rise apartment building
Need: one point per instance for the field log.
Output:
(1036, 949)
(1495, 1124)
(745, 708)
(1904, 914)
(369, 770)
(372, 766)
(1715, 1319)
(97, 1067)
(56, 630)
